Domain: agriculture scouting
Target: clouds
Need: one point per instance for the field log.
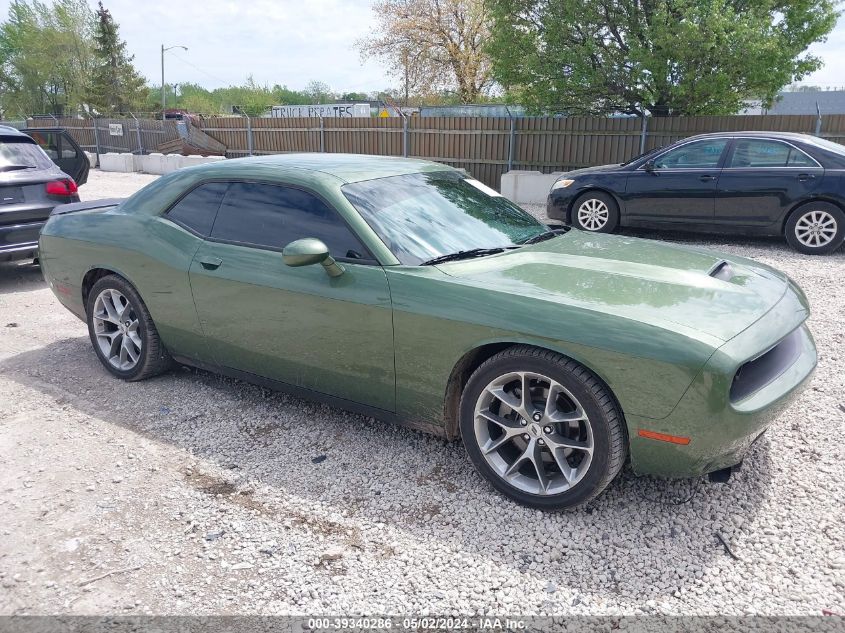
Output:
(283, 41)
(832, 53)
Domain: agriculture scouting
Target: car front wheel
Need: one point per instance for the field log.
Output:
(595, 211)
(122, 331)
(541, 428)
(816, 228)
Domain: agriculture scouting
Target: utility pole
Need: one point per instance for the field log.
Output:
(163, 89)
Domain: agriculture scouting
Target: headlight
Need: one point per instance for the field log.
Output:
(560, 184)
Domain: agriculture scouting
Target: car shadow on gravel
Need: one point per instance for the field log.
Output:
(20, 277)
(643, 538)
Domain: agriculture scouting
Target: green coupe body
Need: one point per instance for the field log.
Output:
(699, 350)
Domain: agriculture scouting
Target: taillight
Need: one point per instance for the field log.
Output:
(63, 187)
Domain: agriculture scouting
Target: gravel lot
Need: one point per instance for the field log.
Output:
(195, 494)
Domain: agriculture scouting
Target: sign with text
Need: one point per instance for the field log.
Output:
(326, 110)
(115, 129)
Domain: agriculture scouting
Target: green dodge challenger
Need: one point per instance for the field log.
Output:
(408, 291)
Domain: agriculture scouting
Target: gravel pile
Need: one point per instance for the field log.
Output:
(195, 494)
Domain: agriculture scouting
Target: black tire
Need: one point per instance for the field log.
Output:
(154, 358)
(834, 218)
(600, 200)
(605, 419)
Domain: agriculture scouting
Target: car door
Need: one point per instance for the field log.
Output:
(678, 185)
(63, 150)
(300, 326)
(763, 179)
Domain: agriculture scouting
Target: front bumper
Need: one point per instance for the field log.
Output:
(720, 430)
(558, 203)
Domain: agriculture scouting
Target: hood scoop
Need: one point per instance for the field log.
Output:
(722, 271)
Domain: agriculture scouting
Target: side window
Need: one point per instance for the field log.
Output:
(48, 142)
(196, 210)
(68, 149)
(797, 158)
(696, 155)
(273, 216)
(759, 153)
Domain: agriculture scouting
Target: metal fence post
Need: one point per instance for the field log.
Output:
(322, 136)
(405, 136)
(512, 141)
(643, 134)
(138, 133)
(96, 140)
(248, 134)
(818, 120)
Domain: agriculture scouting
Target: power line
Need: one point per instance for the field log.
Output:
(223, 82)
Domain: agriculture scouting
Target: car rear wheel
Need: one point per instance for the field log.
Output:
(596, 212)
(541, 428)
(122, 331)
(816, 228)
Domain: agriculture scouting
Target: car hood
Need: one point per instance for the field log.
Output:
(692, 291)
(586, 171)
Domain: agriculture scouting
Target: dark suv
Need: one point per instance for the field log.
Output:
(32, 183)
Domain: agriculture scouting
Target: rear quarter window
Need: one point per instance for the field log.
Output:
(198, 208)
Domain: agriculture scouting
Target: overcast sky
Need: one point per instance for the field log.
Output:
(288, 42)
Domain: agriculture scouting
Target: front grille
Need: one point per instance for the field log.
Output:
(759, 372)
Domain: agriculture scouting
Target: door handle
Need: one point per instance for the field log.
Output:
(211, 263)
(706, 178)
(805, 177)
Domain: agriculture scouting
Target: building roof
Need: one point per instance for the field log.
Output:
(829, 102)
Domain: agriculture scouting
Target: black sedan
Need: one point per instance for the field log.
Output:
(745, 183)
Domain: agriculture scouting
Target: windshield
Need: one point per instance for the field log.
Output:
(423, 216)
(22, 153)
(643, 155)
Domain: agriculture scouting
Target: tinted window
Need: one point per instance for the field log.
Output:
(695, 155)
(48, 142)
(753, 153)
(22, 154)
(423, 216)
(797, 158)
(197, 209)
(274, 216)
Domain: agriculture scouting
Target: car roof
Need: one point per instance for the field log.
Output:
(7, 133)
(787, 136)
(346, 167)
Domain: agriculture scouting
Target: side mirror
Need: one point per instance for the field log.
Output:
(649, 165)
(309, 251)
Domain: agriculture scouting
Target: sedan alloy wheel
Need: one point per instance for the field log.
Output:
(593, 214)
(816, 229)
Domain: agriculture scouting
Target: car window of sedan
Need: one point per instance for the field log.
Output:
(272, 216)
(765, 153)
(196, 210)
(696, 155)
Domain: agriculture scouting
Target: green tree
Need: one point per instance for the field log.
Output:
(116, 86)
(46, 56)
(665, 57)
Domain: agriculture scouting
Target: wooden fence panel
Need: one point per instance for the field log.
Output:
(483, 146)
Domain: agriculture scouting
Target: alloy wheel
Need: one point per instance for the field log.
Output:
(533, 433)
(116, 329)
(816, 229)
(593, 214)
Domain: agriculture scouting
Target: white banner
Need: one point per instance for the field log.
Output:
(326, 110)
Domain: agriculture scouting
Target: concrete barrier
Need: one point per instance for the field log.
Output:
(150, 163)
(166, 163)
(528, 187)
(117, 162)
(92, 158)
